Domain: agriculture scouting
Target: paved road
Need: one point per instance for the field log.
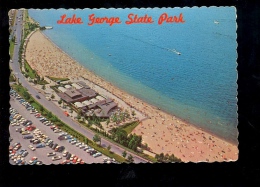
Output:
(51, 106)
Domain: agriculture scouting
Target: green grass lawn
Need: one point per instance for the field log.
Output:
(30, 72)
(58, 79)
(11, 78)
(130, 126)
(11, 48)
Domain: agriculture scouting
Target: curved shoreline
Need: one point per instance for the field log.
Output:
(154, 107)
(151, 111)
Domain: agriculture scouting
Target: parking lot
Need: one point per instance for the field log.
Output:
(47, 133)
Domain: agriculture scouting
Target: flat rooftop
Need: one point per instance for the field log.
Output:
(73, 93)
(87, 92)
(83, 84)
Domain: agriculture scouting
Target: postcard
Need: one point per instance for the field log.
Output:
(123, 85)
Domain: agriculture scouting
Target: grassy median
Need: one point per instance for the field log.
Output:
(11, 48)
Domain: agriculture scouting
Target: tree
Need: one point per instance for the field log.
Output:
(133, 113)
(172, 158)
(130, 158)
(97, 138)
(40, 108)
(52, 96)
(166, 157)
(43, 87)
(49, 114)
(159, 157)
(60, 101)
(26, 95)
(108, 148)
(78, 116)
(124, 154)
(80, 112)
(107, 121)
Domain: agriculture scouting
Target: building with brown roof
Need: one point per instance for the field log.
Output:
(88, 92)
(101, 108)
(73, 95)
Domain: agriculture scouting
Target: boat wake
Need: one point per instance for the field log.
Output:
(174, 51)
(149, 43)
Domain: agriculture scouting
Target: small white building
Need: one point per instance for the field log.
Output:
(62, 89)
(99, 98)
(78, 104)
(68, 86)
(76, 86)
(86, 103)
(93, 100)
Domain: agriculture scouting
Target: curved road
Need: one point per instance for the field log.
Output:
(50, 105)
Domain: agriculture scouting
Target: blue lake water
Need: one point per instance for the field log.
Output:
(199, 85)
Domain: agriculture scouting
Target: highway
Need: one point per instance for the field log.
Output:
(50, 105)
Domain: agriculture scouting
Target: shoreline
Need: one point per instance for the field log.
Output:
(155, 107)
(152, 114)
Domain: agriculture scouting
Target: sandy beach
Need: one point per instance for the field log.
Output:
(164, 133)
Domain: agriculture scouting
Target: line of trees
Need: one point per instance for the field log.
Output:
(131, 141)
(167, 158)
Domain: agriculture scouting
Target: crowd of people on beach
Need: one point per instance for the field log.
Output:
(162, 132)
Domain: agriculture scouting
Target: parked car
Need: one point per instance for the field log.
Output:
(51, 154)
(61, 148)
(40, 145)
(54, 146)
(28, 136)
(56, 158)
(50, 144)
(25, 132)
(25, 154)
(68, 156)
(61, 137)
(92, 152)
(97, 154)
(39, 163)
(31, 147)
(33, 160)
(65, 153)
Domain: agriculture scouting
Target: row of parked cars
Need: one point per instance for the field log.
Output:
(17, 155)
(71, 158)
(84, 147)
(44, 121)
(27, 105)
(34, 161)
(15, 118)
